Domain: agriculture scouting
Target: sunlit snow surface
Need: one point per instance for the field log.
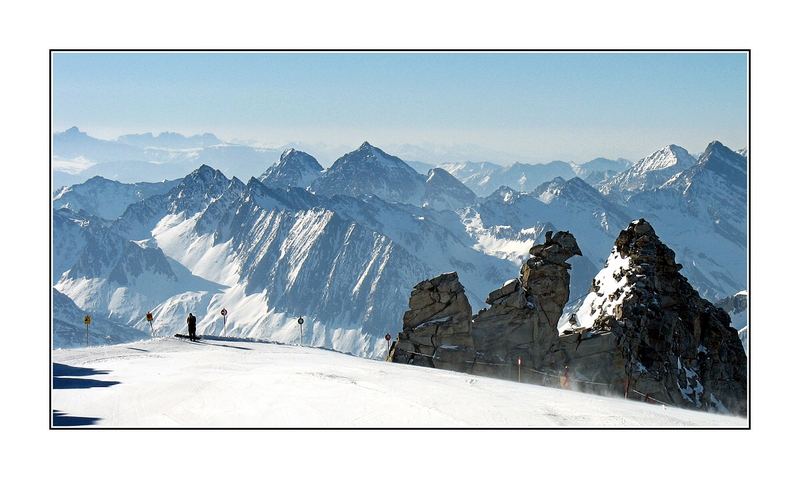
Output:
(168, 382)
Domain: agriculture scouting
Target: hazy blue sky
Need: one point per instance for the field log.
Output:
(540, 105)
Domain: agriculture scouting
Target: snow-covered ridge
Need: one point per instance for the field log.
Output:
(649, 172)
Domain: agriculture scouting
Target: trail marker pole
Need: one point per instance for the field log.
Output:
(87, 320)
(388, 338)
(300, 321)
(150, 321)
(519, 369)
(224, 314)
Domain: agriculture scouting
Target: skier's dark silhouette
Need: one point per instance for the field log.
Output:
(192, 322)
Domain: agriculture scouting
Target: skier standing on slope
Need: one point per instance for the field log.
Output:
(192, 322)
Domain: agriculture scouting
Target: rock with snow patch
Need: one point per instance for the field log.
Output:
(678, 348)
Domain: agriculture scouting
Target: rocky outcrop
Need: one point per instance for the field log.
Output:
(436, 327)
(677, 347)
(520, 324)
(642, 330)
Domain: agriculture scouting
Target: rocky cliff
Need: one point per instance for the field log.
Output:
(436, 328)
(642, 331)
(677, 347)
(521, 323)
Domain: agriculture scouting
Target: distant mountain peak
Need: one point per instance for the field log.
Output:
(504, 194)
(170, 140)
(370, 170)
(206, 173)
(72, 132)
(651, 171)
(716, 146)
(295, 169)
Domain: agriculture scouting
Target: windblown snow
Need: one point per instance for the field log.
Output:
(166, 382)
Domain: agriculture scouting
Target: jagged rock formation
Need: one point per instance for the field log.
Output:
(674, 346)
(642, 330)
(521, 322)
(436, 328)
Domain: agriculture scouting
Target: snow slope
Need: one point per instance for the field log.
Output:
(107, 199)
(168, 382)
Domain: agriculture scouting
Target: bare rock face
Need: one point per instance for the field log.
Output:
(521, 323)
(677, 347)
(545, 277)
(436, 327)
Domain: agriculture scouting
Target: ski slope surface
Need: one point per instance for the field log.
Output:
(168, 382)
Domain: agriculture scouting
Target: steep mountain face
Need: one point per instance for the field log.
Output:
(268, 255)
(370, 171)
(69, 331)
(170, 140)
(106, 199)
(189, 197)
(677, 347)
(715, 190)
(701, 206)
(649, 172)
(295, 169)
(445, 192)
(112, 277)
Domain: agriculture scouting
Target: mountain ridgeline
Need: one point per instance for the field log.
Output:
(342, 246)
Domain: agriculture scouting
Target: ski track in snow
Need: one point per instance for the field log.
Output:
(166, 382)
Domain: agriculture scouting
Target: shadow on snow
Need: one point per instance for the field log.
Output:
(76, 381)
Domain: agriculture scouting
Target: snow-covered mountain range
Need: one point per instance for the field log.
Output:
(485, 177)
(343, 246)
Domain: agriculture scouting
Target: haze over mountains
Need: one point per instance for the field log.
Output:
(146, 157)
(343, 246)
